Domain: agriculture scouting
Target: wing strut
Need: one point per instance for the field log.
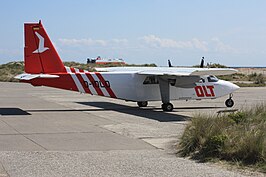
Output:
(164, 89)
(165, 94)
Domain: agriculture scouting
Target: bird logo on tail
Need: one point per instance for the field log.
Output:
(41, 47)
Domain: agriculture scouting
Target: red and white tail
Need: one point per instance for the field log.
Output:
(40, 55)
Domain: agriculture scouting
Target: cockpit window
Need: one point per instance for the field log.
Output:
(212, 79)
(151, 80)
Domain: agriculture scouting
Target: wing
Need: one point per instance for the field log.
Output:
(160, 71)
(213, 71)
(178, 77)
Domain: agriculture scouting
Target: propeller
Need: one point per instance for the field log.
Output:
(202, 62)
(169, 63)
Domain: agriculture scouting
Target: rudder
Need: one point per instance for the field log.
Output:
(40, 55)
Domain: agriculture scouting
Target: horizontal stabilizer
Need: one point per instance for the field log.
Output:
(26, 76)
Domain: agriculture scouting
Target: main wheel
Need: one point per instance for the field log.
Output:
(229, 103)
(142, 103)
(168, 107)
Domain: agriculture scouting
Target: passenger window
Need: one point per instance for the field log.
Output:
(202, 80)
(212, 79)
(151, 80)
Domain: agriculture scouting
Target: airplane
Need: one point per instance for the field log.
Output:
(43, 67)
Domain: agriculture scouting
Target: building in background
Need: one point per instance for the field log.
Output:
(102, 61)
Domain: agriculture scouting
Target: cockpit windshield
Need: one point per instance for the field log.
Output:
(212, 79)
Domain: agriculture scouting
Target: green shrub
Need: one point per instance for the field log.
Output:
(252, 76)
(234, 77)
(259, 79)
(246, 144)
(11, 69)
(214, 145)
(237, 117)
(201, 135)
(237, 137)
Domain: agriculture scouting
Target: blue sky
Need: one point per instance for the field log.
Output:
(142, 31)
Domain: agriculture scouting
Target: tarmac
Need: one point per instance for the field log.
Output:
(51, 132)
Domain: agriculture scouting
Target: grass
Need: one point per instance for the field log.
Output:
(238, 138)
(256, 80)
(235, 77)
(241, 84)
(11, 69)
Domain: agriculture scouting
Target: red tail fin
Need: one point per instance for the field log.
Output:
(40, 55)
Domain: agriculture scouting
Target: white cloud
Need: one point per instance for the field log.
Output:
(219, 46)
(212, 45)
(92, 42)
(83, 42)
(155, 41)
(119, 41)
(158, 42)
(202, 45)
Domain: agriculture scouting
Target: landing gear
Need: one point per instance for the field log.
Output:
(229, 102)
(142, 103)
(165, 94)
(168, 107)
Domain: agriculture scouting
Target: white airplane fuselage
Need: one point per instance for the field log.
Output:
(131, 86)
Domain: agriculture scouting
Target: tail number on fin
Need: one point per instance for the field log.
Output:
(205, 91)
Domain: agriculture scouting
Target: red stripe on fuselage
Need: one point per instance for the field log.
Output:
(94, 84)
(108, 88)
(82, 82)
(73, 70)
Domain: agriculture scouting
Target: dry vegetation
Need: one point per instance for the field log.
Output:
(11, 69)
(238, 138)
(243, 80)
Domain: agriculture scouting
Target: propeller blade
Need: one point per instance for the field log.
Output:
(169, 63)
(202, 63)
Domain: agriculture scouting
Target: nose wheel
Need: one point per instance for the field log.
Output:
(229, 102)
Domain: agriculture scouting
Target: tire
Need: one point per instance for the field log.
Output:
(167, 107)
(229, 103)
(142, 103)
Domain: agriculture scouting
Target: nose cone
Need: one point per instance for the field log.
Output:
(234, 87)
(231, 87)
(225, 87)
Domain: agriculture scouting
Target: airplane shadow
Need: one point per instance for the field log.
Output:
(148, 113)
(13, 112)
(203, 107)
(177, 109)
(153, 113)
